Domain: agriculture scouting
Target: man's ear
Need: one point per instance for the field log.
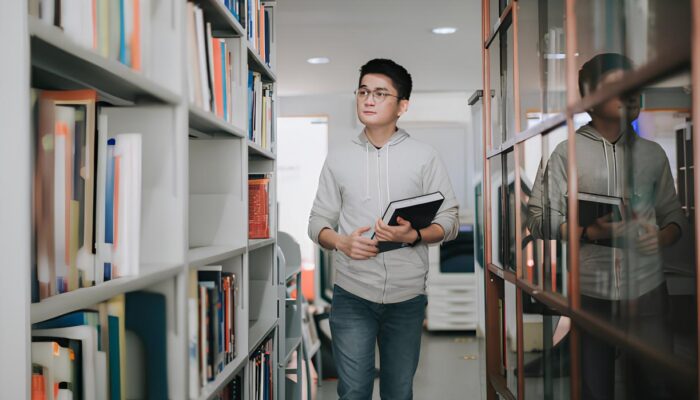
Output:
(403, 107)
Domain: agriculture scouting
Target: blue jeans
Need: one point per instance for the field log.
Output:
(356, 325)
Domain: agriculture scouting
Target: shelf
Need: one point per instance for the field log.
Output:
(60, 63)
(87, 297)
(223, 23)
(223, 378)
(209, 123)
(291, 345)
(256, 64)
(255, 149)
(256, 244)
(199, 256)
(292, 272)
(258, 331)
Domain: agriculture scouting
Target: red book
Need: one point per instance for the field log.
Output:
(218, 84)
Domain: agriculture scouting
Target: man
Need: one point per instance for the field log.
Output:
(379, 298)
(620, 270)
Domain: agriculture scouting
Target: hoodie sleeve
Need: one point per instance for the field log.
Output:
(435, 179)
(667, 206)
(547, 200)
(326, 209)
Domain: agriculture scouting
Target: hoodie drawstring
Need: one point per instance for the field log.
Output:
(607, 165)
(367, 171)
(388, 190)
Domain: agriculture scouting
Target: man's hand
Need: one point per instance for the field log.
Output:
(648, 240)
(604, 228)
(403, 233)
(356, 246)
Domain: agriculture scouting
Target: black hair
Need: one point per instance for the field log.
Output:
(399, 75)
(593, 70)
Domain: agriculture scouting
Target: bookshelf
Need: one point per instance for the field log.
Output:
(194, 189)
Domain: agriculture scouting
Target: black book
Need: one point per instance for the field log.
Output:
(593, 206)
(420, 211)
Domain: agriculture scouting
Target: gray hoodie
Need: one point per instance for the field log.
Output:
(633, 168)
(356, 185)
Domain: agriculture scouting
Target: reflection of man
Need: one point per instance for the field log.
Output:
(624, 281)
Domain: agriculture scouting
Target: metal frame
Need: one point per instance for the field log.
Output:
(679, 57)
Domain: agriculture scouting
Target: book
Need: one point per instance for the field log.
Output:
(419, 211)
(592, 206)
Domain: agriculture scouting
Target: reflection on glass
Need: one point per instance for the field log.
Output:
(510, 210)
(543, 175)
(497, 222)
(636, 246)
(508, 80)
(640, 30)
(546, 352)
(510, 330)
(497, 91)
(542, 60)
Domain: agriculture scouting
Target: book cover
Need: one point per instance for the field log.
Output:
(419, 211)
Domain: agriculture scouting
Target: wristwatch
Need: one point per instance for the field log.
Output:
(418, 239)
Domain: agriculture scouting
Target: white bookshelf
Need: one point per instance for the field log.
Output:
(194, 206)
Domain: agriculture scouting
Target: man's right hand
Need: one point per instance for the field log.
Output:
(357, 246)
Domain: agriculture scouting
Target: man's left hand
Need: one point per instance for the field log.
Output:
(403, 233)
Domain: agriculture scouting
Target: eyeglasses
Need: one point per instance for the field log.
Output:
(378, 95)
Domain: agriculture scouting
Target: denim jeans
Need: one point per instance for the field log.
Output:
(356, 325)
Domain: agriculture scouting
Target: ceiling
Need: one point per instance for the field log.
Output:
(351, 32)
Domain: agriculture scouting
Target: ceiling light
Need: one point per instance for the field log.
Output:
(318, 60)
(445, 30)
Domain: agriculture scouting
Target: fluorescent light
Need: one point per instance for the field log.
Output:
(318, 60)
(444, 30)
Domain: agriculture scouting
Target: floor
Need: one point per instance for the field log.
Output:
(450, 368)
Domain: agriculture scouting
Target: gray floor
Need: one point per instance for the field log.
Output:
(450, 368)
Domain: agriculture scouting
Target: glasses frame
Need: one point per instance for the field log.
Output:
(374, 93)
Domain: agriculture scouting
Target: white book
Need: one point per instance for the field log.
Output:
(101, 375)
(202, 57)
(64, 394)
(103, 250)
(57, 362)
(65, 118)
(88, 336)
(258, 109)
(128, 29)
(193, 312)
(47, 11)
(192, 62)
(127, 154)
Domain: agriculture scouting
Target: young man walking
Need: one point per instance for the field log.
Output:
(379, 297)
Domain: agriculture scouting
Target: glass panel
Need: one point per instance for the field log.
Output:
(637, 251)
(510, 352)
(497, 211)
(544, 186)
(507, 79)
(542, 60)
(496, 93)
(510, 211)
(496, 8)
(546, 367)
(640, 30)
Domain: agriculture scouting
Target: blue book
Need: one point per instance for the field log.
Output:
(267, 35)
(223, 78)
(122, 34)
(115, 388)
(75, 318)
(251, 85)
(109, 204)
(145, 317)
(212, 278)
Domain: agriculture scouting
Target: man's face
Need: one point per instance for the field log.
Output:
(619, 107)
(381, 107)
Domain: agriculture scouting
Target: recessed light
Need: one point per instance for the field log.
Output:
(318, 60)
(445, 30)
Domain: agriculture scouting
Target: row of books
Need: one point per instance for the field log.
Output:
(259, 26)
(116, 29)
(212, 324)
(83, 354)
(258, 207)
(87, 194)
(212, 66)
(232, 391)
(261, 114)
(260, 366)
